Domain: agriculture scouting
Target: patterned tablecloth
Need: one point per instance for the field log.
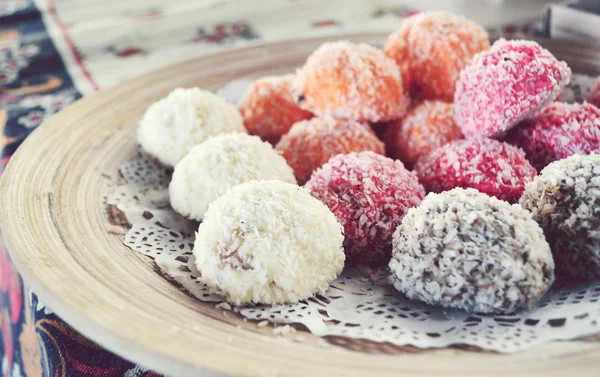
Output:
(53, 52)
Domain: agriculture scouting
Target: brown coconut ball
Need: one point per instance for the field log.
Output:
(467, 250)
(565, 201)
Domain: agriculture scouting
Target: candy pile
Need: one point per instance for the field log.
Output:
(423, 157)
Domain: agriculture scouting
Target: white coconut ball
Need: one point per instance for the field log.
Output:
(268, 242)
(220, 163)
(172, 126)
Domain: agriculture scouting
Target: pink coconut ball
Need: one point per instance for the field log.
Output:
(487, 165)
(594, 95)
(505, 85)
(558, 131)
(369, 194)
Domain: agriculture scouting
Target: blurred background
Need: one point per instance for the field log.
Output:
(104, 42)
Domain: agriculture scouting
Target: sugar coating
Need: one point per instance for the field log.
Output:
(435, 46)
(351, 81)
(594, 94)
(172, 126)
(557, 131)
(426, 127)
(565, 201)
(369, 194)
(269, 109)
(505, 85)
(311, 143)
(467, 250)
(490, 166)
(268, 242)
(218, 164)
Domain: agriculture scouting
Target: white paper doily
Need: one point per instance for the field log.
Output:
(358, 304)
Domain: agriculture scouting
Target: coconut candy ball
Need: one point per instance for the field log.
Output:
(464, 249)
(506, 84)
(426, 127)
(369, 194)
(269, 109)
(351, 81)
(435, 47)
(565, 201)
(219, 164)
(311, 143)
(172, 126)
(558, 131)
(268, 242)
(490, 166)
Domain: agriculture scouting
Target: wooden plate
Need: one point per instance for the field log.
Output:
(58, 234)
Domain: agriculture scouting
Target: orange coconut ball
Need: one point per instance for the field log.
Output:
(406, 77)
(269, 109)
(436, 46)
(428, 126)
(351, 81)
(311, 143)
